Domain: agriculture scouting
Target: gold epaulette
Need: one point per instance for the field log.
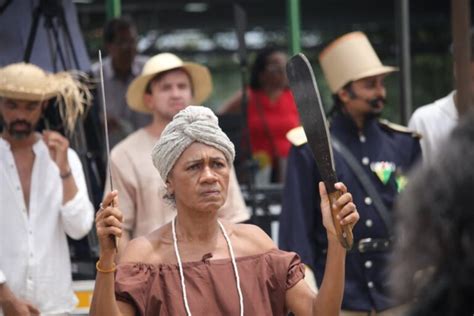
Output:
(398, 128)
(296, 136)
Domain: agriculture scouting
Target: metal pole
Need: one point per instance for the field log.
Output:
(405, 60)
(114, 9)
(294, 26)
(460, 20)
(250, 165)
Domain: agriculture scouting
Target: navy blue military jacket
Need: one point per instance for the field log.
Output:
(386, 155)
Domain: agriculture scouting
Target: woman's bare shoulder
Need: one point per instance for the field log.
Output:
(251, 239)
(148, 248)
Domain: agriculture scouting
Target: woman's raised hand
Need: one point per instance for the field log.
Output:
(348, 212)
(108, 223)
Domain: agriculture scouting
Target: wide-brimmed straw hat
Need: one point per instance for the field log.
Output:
(349, 58)
(28, 82)
(200, 79)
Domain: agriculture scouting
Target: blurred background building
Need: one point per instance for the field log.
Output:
(204, 31)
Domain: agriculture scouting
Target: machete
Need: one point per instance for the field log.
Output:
(308, 101)
(106, 134)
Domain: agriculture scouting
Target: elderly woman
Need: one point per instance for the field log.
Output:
(197, 264)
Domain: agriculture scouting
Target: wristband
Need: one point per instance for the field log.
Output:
(66, 175)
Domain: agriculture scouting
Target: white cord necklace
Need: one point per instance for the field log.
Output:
(181, 274)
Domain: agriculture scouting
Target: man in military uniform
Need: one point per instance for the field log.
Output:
(382, 151)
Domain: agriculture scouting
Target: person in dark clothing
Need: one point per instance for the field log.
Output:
(121, 66)
(382, 151)
(435, 266)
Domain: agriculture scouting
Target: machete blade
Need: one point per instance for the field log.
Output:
(305, 91)
(308, 101)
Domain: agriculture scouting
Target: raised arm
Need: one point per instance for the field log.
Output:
(125, 183)
(300, 299)
(77, 214)
(108, 223)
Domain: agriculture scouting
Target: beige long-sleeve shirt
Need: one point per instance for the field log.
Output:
(141, 188)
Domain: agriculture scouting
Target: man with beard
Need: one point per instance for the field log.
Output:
(166, 86)
(371, 151)
(43, 194)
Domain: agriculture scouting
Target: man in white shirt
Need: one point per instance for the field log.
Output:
(43, 193)
(166, 86)
(436, 120)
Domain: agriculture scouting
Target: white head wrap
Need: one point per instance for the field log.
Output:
(193, 124)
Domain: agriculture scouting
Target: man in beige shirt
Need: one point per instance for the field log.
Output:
(166, 86)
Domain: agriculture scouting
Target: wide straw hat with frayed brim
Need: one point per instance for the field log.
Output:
(26, 82)
(350, 57)
(200, 79)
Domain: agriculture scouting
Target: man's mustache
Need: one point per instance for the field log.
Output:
(12, 128)
(376, 101)
(372, 102)
(21, 122)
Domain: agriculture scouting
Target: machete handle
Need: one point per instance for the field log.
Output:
(114, 238)
(116, 241)
(344, 232)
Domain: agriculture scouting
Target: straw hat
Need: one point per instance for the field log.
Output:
(200, 79)
(28, 82)
(349, 58)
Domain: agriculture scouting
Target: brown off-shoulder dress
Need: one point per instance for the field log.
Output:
(155, 289)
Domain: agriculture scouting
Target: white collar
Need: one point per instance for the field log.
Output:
(38, 147)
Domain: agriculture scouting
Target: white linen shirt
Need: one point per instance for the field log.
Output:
(434, 122)
(34, 254)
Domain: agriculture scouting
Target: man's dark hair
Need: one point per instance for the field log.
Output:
(337, 102)
(259, 66)
(433, 263)
(115, 25)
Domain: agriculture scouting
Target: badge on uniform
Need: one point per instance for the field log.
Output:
(401, 182)
(383, 170)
